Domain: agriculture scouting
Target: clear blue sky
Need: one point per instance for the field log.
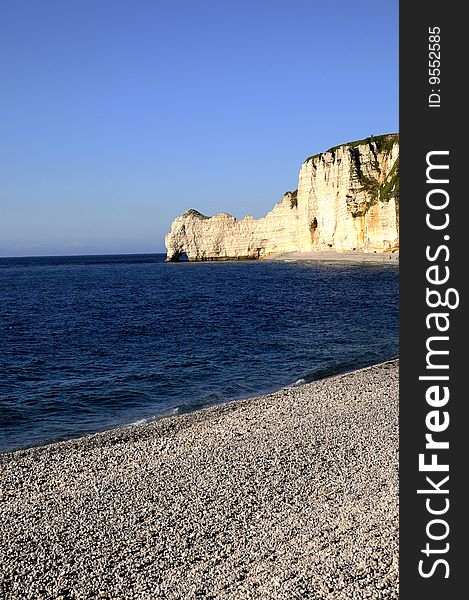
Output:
(118, 115)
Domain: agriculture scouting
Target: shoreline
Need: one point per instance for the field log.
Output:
(331, 256)
(334, 256)
(174, 412)
(293, 493)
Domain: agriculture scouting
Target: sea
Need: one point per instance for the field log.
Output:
(89, 343)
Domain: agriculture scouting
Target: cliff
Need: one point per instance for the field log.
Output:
(347, 199)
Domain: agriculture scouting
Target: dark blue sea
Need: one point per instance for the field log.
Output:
(93, 342)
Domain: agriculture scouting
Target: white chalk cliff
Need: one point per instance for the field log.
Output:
(347, 199)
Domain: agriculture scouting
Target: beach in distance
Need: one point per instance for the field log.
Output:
(288, 495)
(343, 257)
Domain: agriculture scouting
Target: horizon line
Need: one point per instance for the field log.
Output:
(79, 255)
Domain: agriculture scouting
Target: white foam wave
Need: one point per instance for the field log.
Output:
(298, 382)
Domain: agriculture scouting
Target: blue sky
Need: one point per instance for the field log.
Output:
(116, 116)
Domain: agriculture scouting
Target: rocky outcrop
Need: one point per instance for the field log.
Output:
(347, 199)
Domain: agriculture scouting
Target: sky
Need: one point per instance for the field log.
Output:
(116, 116)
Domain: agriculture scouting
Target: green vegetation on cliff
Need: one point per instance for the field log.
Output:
(390, 188)
(375, 188)
(382, 143)
(194, 213)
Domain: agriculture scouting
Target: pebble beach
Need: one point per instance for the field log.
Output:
(284, 496)
(339, 257)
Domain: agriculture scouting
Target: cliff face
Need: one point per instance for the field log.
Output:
(347, 199)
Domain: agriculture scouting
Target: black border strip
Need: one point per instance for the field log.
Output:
(432, 124)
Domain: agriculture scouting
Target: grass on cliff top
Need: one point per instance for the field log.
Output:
(383, 143)
(194, 213)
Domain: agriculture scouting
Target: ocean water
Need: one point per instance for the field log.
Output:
(93, 342)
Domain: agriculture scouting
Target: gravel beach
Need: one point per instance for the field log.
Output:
(334, 256)
(289, 495)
